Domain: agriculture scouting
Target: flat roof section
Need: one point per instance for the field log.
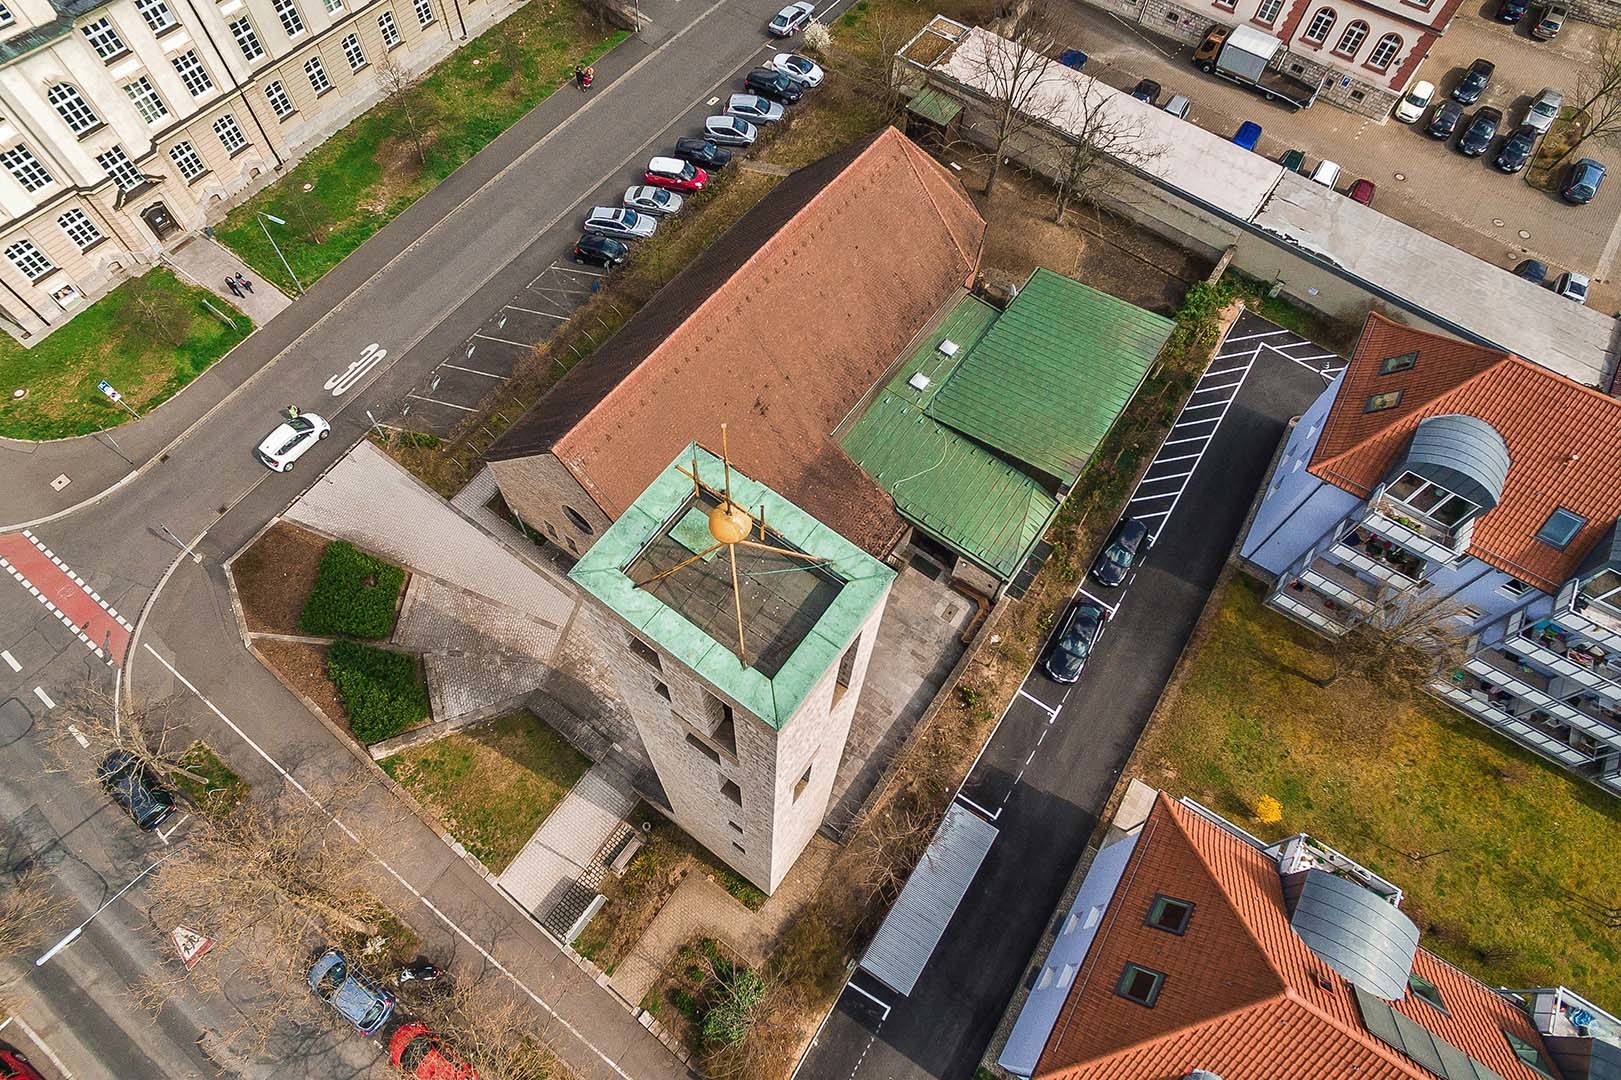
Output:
(798, 617)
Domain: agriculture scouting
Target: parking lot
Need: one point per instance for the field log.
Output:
(1426, 184)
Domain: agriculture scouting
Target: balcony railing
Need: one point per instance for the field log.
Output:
(1342, 586)
(1374, 566)
(1287, 603)
(1594, 673)
(1525, 734)
(1593, 620)
(1532, 688)
(1389, 520)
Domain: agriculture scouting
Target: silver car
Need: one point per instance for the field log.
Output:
(1544, 109)
(730, 131)
(620, 222)
(754, 108)
(647, 199)
(791, 19)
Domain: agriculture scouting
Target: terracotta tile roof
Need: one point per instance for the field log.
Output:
(779, 329)
(1564, 440)
(1243, 996)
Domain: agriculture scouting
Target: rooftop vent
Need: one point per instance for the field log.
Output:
(1201, 1074)
(919, 381)
(949, 347)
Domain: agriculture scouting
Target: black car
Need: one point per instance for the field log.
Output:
(603, 251)
(702, 152)
(1072, 644)
(1516, 149)
(1445, 120)
(773, 86)
(1114, 562)
(1477, 137)
(1146, 90)
(1474, 82)
(1532, 271)
(142, 797)
(1512, 11)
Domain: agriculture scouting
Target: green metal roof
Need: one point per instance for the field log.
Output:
(949, 486)
(1049, 379)
(665, 511)
(934, 105)
(21, 44)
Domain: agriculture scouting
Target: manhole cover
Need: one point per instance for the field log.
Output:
(20, 393)
(1401, 176)
(1524, 235)
(60, 482)
(1498, 222)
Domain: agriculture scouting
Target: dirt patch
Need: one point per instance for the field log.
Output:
(274, 577)
(304, 667)
(400, 169)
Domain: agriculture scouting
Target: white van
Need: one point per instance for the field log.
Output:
(1326, 173)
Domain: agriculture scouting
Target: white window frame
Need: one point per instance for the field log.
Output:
(1424, 485)
(78, 227)
(30, 262)
(247, 39)
(236, 140)
(25, 168)
(424, 11)
(1268, 11)
(390, 30)
(103, 38)
(288, 13)
(1359, 27)
(193, 73)
(74, 110)
(120, 168)
(157, 15)
(315, 71)
(280, 101)
(353, 51)
(1385, 52)
(144, 96)
(187, 160)
(333, 6)
(1325, 17)
(6, 17)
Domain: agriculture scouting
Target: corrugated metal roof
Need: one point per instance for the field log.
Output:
(934, 105)
(930, 897)
(1463, 453)
(1357, 933)
(945, 484)
(1049, 379)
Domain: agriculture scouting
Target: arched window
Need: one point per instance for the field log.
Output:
(577, 519)
(1383, 53)
(72, 107)
(1352, 39)
(1321, 24)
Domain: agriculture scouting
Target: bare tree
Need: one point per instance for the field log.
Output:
(874, 42)
(1402, 645)
(27, 911)
(1014, 71)
(486, 1022)
(411, 111)
(1599, 87)
(157, 310)
(1097, 141)
(309, 213)
(148, 733)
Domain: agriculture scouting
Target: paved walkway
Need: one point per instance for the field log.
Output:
(563, 846)
(207, 263)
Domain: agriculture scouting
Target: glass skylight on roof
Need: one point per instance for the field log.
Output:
(1561, 528)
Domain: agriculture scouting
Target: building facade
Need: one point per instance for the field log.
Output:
(1441, 485)
(128, 125)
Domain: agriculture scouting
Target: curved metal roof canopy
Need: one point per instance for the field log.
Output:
(1463, 454)
(1359, 935)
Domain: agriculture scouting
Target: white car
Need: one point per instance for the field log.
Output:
(647, 199)
(730, 131)
(1544, 109)
(1415, 101)
(791, 19)
(754, 108)
(620, 222)
(1572, 286)
(803, 70)
(289, 441)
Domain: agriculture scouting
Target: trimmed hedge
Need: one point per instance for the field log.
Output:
(355, 595)
(380, 689)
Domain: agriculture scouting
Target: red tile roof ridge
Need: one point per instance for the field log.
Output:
(923, 172)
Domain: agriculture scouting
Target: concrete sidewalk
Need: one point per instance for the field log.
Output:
(204, 261)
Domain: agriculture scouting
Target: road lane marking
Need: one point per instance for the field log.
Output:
(78, 737)
(293, 782)
(345, 380)
(972, 805)
(878, 1001)
(40, 693)
(1042, 705)
(10, 660)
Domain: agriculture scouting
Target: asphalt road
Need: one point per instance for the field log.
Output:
(1049, 767)
(362, 340)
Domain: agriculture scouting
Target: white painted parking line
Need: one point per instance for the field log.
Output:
(39, 1042)
(1151, 498)
(40, 693)
(1223, 386)
(532, 311)
(1104, 604)
(1206, 405)
(1223, 371)
(974, 806)
(10, 660)
(1042, 705)
(506, 341)
(1190, 438)
(474, 371)
(1150, 517)
(1168, 460)
(875, 1000)
(1252, 337)
(78, 737)
(1170, 476)
(446, 404)
(164, 836)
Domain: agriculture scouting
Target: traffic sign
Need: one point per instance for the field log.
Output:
(107, 388)
(192, 945)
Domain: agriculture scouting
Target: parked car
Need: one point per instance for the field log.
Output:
(1294, 161)
(1572, 286)
(1477, 137)
(1544, 109)
(675, 174)
(1475, 79)
(802, 69)
(147, 802)
(791, 19)
(1361, 191)
(15, 1063)
(291, 441)
(1444, 122)
(603, 251)
(753, 108)
(773, 85)
(358, 1000)
(1327, 173)
(1582, 182)
(620, 222)
(1512, 11)
(702, 152)
(1553, 20)
(416, 1050)
(1115, 561)
(1415, 101)
(647, 199)
(730, 130)
(1516, 149)
(1072, 643)
(1532, 271)
(1072, 58)
(1179, 106)
(1146, 90)
(1248, 135)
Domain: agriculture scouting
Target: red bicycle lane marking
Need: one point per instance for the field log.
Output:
(65, 595)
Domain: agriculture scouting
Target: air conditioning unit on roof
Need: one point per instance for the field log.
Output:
(949, 347)
(918, 381)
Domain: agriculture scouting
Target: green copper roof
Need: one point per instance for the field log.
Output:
(1049, 378)
(942, 482)
(934, 105)
(799, 616)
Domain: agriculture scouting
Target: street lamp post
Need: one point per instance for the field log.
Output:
(73, 935)
(261, 215)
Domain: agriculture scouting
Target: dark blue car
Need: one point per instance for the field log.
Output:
(1072, 643)
(1581, 186)
(1248, 135)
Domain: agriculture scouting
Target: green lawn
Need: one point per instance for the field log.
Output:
(223, 789)
(368, 173)
(149, 337)
(492, 784)
(1508, 863)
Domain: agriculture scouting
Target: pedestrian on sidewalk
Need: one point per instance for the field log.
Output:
(244, 282)
(230, 283)
(579, 77)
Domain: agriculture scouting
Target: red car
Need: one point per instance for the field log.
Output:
(673, 173)
(415, 1049)
(15, 1063)
(1362, 191)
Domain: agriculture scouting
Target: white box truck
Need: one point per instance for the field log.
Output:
(1242, 54)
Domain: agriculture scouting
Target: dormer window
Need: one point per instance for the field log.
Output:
(1430, 500)
(1169, 914)
(1381, 402)
(1561, 528)
(1392, 364)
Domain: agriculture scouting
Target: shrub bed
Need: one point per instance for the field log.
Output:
(380, 689)
(355, 595)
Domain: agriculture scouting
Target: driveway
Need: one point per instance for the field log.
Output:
(1422, 183)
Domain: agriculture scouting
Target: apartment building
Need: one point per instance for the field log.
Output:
(1437, 474)
(124, 126)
